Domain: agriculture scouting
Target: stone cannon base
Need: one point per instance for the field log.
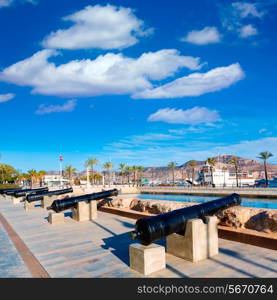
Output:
(56, 218)
(17, 200)
(85, 211)
(199, 242)
(147, 259)
(29, 205)
(47, 201)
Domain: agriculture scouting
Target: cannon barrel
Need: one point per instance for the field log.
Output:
(150, 229)
(38, 197)
(63, 204)
(6, 191)
(29, 191)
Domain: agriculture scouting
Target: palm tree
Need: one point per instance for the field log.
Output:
(211, 161)
(235, 162)
(140, 171)
(33, 175)
(135, 172)
(40, 176)
(97, 177)
(122, 168)
(192, 164)
(172, 165)
(24, 177)
(265, 156)
(108, 166)
(129, 171)
(69, 171)
(91, 162)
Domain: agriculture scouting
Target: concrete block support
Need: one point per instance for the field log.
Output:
(199, 242)
(56, 218)
(47, 201)
(17, 200)
(147, 259)
(93, 210)
(81, 212)
(85, 211)
(29, 205)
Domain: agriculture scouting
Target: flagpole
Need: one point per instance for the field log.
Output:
(61, 169)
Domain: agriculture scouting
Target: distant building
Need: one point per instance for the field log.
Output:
(55, 180)
(224, 178)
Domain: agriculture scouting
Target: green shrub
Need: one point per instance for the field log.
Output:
(9, 186)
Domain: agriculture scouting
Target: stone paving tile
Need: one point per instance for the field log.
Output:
(100, 249)
(11, 264)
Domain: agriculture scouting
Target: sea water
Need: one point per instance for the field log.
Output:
(247, 202)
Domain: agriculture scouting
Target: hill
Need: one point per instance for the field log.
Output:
(184, 171)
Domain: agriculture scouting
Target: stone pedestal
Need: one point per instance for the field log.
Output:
(81, 212)
(29, 205)
(199, 242)
(147, 259)
(47, 201)
(92, 210)
(17, 200)
(56, 218)
(85, 211)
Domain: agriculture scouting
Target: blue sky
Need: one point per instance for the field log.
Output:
(137, 82)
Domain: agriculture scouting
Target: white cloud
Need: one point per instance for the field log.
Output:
(262, 130)
(193, 116)
(6, 97)
(208, 35)
(246, 9)
(66, 107)
(191, 129)
(196, 84)
(247, 31)
(265, 131)
(107, 74)
(103, 27)
(159, 153)
(237, 17)
(251, 148)
(6, 3)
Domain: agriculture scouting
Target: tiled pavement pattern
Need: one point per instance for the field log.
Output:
(100, 249)
(11, 264)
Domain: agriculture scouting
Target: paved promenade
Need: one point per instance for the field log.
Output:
(244, 192)
(100, 249)
(11, 263)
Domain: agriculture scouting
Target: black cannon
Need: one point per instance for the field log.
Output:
(23, 193)
(150, 229)
(6, 191)
(63, 204)
(40, 196)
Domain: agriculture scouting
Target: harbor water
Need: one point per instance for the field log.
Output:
(247, 202)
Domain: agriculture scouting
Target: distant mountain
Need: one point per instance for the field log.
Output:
(222, 161)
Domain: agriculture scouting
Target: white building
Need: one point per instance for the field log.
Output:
(223, 178)
(55, 180)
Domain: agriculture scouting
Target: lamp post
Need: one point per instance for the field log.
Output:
(88, 182)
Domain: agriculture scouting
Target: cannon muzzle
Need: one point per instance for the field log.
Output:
(8, 191)
(41, 195)
(67, 203)
(23, 193)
